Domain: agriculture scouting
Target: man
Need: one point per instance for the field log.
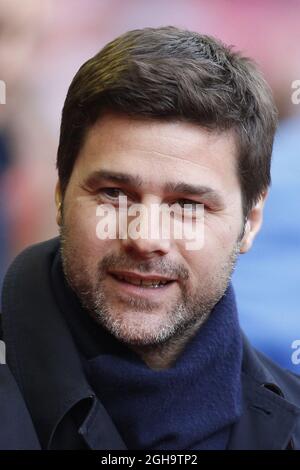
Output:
(129, 340)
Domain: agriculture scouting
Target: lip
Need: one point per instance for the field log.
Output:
(147, 277)
(145, 292)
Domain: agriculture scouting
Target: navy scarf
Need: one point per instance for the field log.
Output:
(192, 405)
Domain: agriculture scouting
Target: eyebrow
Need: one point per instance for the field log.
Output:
(181, 187)
(101, 175)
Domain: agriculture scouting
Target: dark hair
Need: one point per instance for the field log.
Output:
(169, 73)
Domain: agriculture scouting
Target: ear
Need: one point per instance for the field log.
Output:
(253, 224)
(58, 203)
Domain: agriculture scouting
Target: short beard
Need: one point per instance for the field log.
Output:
(189, 311)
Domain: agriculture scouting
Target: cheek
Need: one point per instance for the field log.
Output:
(81, 226)
(217, 236)
(220, 234)
(219, 239)
(80, 221)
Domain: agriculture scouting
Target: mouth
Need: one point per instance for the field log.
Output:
(133, 283)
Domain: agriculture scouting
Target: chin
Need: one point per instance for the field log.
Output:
(139, 331)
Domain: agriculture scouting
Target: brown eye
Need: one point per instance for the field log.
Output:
(188, 204)
(112, 192)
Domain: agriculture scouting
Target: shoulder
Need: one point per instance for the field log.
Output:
(33, 254)
(26, 273)
(271, 405)
(266, 372)
(16, 428)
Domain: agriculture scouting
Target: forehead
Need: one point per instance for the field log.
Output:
(156, 151)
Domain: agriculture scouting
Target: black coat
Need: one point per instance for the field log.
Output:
(16, 428)
(65, 410)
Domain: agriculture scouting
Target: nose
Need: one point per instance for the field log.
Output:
(144, 236)
(146, 248)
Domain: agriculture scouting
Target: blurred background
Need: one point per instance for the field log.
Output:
(43, 43)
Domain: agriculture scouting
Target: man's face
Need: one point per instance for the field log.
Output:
(146, 160)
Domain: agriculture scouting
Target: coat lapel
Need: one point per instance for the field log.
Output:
(269, 418)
